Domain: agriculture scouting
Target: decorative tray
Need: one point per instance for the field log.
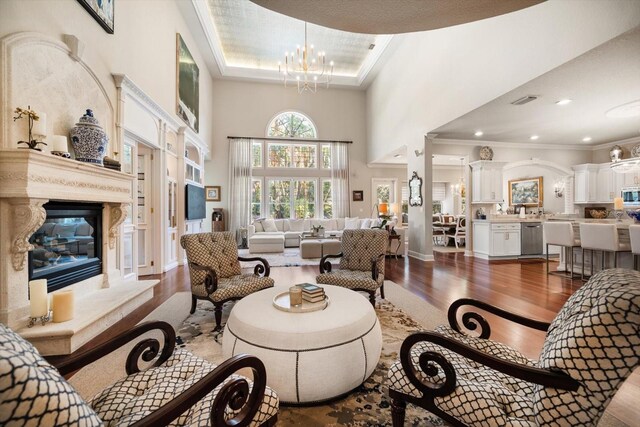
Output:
(281, 302)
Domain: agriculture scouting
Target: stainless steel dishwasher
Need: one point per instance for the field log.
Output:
(531, 238)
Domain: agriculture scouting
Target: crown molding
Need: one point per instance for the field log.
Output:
(204, 16)
(635, 139)
(492, 144)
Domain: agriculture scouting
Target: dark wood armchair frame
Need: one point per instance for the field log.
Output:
(211, 285)
(325, 267)
(234, 394)
(429, 361)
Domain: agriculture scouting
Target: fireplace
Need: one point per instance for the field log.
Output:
(68, 245)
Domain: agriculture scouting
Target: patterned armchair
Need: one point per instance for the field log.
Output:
(178, 388)
(361, 262)
(590, 348)
(214, 268)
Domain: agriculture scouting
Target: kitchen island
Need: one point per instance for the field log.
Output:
(507, 237)
(501, 237)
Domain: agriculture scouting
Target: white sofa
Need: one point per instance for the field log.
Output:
(291, 229)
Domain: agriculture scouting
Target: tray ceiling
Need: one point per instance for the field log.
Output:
(248, 40)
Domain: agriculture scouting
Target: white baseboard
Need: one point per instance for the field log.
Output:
(421, 256)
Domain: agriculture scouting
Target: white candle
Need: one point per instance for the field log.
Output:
(618, 203)
(63, 306)
(59, 143)
(39, 303)
(40, 126)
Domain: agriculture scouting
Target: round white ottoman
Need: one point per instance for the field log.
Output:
(310, 357)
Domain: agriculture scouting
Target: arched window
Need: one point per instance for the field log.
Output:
(291, 124)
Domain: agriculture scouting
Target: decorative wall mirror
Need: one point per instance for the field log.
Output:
(415, 190)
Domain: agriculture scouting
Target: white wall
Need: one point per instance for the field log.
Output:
(436, 76)
(143, 45)
(246, 108)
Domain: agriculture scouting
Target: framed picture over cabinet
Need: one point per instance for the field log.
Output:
(526, 191)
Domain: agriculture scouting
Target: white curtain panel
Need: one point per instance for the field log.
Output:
(239, 183)
(340, 179)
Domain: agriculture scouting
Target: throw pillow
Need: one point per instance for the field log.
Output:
(32, 392)
(269, 226)
(296, 225)
(329, 224)
(351, 223)
(366, 223)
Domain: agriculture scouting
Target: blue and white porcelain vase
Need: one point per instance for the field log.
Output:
(89, 140)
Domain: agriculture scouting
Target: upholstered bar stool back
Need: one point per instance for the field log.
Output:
(634, 236)
(601, 237)
(560, 233)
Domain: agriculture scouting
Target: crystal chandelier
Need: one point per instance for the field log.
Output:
(305, 68)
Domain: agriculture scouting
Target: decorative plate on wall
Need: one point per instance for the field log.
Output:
(486, 153)
(635, 151)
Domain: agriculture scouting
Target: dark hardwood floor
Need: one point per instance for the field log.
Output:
(518, 286)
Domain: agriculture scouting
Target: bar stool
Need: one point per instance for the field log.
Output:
(601, 237)
(560, 233)
(634, 236)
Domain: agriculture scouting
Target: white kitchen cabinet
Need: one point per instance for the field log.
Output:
(496, 239)
(505, 240)
(486, 179)
(481, 237)
(585, 183)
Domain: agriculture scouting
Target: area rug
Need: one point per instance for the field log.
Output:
(368, 405)
(289, 258)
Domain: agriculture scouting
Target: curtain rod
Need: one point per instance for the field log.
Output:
(289, 139)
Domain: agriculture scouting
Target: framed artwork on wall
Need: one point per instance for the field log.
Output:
(102, 11)
(212, 193)
(358, 196)
(526, 191)
(187, 86)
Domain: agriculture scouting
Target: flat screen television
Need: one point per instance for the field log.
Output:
(196, 207)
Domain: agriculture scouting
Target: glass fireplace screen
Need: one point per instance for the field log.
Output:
(67, 246)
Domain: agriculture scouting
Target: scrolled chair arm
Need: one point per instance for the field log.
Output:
(210, 280)
(471, 320)
(428, 360)
(374, 267)
(262, 269)
(233, 394)
(147, 349)
(325, 264)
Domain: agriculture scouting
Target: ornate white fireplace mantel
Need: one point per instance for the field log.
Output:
(29, 179)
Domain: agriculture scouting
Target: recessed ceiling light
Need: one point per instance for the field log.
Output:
(479, 133)
(586, 139)
(563, 102)
(397, 155)
(534, 137)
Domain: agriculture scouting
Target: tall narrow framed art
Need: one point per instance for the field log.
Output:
(187, 85)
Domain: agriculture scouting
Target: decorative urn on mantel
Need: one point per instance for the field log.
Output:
(89, 140)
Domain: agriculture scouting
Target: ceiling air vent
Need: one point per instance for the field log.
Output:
(524, 100)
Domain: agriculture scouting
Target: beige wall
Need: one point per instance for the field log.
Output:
(246, 108)
(143, 46)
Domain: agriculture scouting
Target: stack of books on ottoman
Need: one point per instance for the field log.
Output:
(311, 292)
